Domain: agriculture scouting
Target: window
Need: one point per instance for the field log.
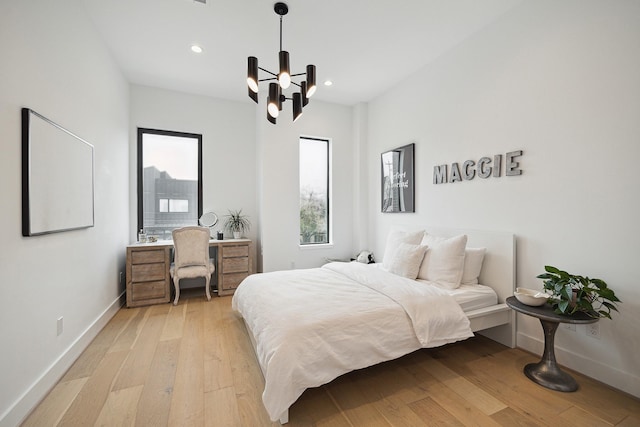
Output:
(173, 205)
(169, 181)
(314, 191)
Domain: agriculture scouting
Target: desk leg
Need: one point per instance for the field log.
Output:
(546, 372)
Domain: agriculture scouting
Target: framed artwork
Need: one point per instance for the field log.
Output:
(398, 180)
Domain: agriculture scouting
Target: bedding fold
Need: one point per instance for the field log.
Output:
(435, 316)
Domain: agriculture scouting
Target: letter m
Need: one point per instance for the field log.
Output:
(440, 174)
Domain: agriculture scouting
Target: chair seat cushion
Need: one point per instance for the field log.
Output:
(192, 271)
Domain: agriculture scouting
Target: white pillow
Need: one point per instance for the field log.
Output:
(394, 239)
(444, 261)
(473, 258)
(407, 260)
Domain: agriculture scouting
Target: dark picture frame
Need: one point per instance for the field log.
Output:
(398, 190)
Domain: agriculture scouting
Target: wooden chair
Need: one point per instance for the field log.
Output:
(191, 257)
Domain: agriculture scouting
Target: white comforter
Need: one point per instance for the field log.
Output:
(314, 325)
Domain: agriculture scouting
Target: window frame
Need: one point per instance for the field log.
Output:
(329, 241)
(140, 168)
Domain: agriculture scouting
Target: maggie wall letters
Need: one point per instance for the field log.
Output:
(484, 168)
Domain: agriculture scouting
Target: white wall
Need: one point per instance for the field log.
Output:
(362, 168)
(558, 80)
(53, 62)
(278, 157)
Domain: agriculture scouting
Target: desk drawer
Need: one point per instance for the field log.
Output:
(235, 251)
(147, 257)
(148, 290)
(231, 281)
(148, 272)
(235, 265)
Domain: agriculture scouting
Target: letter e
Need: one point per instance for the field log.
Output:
(511, 166)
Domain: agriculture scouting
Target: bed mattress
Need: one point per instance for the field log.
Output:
(471, 297)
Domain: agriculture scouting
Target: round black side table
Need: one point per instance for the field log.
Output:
(547, 373)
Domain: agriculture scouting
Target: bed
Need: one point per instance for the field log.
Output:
(310, 326)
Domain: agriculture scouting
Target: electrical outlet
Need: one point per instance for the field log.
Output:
(60, 325)
(593, 330)
(569, 326)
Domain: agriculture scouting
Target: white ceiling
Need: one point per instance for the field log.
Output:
(364, 47)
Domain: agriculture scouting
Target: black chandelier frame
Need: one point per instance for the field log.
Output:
(283, 79)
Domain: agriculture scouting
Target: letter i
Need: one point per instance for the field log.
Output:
(497, 167)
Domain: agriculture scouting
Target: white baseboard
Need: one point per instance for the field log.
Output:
(30, 399)
(599, 370)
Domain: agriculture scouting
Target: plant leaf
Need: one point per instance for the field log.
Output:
(562, 306)
(551, 269)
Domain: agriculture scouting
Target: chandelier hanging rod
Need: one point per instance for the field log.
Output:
(284, 79)
(281, 15)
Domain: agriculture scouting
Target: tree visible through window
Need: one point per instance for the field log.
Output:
(169, 181)
(314, 191)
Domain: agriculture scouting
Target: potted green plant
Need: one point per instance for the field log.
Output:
(237, 223)
(572, 293)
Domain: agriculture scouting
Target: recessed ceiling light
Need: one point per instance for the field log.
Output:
(195, 48)
(328, 82)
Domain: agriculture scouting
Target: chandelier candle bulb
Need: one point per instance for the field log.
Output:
(252, 73)
(274, 100)
(311, 80)
(303, 92)
(270, 118)
(285, 76)
(297, 106)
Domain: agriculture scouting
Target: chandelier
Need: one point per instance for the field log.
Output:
(283, 79)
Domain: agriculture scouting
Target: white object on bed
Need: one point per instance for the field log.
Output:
(397, 237)
(407, 259)
(473, 258)
(444, 261)
(362, 316)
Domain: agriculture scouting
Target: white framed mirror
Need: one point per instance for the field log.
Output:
(57, 178)
(208, 219)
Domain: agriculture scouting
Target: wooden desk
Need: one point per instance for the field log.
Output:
(547, 373)
(149, 281)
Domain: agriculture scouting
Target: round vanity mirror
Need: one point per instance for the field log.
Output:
(208, 219)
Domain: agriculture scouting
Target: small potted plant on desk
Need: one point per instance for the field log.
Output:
(572, 293)
(237, 223)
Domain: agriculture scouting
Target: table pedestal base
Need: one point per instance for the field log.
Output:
(547, 373)
(550, 376)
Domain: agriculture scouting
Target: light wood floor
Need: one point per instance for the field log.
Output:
(192, 365)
